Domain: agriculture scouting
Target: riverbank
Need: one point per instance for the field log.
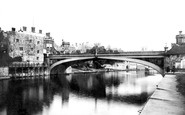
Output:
(3, 78)
(168, 98)
(93, 70)
(76, 71)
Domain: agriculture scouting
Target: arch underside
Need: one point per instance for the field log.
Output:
(146, 63)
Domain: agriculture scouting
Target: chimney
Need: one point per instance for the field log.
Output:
(40, 31)
(20, 30)
(180, 32)
(48, 34)
(13, 29)
(24, 28)
(165, 48)
(33, 29)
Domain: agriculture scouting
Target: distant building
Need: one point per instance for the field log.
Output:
(66, 48)
(180, 39)
(176, 55)
(28, 45)
(83, 47)
(65, 44)
(124, 66)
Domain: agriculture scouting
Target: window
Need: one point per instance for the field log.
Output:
(38, 42)
(37, 58)
(21, 48)
(17, 40)
(183, 40)
(37, 51)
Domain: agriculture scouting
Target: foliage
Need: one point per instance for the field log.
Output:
(101, 50)
(181, 83)
(5, 59)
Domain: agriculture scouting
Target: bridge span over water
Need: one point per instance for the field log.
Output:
(153, 59)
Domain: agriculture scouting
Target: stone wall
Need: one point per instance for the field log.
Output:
(4, 71)
(27, 45)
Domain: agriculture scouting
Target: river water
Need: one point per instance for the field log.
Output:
(104, 93)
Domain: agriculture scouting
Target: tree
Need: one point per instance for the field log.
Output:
(116, 52)
(109, 51)
(101, 50)
(97, 48)
(78, 51)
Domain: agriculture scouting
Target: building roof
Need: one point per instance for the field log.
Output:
(181, 35)
(176, 50)
(65, 43)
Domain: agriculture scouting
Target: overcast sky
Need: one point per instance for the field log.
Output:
(126, 24)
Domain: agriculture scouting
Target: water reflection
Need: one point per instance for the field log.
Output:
(97, 93)
(90, 85)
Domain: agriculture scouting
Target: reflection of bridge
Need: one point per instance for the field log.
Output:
(153, 59)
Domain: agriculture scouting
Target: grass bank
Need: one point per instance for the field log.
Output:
(181, 84)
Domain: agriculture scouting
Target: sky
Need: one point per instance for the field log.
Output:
(127, 24)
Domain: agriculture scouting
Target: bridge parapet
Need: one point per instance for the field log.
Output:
(143, 53)
(133, 54)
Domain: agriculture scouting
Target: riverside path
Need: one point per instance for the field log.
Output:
(166, 100)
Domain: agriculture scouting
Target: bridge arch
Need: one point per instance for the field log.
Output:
(69, 60)
(146, 63)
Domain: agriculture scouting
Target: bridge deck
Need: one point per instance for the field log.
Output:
(147, 54)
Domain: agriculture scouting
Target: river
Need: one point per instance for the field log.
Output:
(103, 93)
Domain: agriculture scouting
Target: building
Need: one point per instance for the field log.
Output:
(175, 57)
(48, 44)
(83, 47)
(66, 48)
(124, 66)
(180, 39)
(28, 45)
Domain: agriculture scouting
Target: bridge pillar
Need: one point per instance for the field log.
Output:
(48, 61)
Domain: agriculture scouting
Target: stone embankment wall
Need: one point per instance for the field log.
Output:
(4, 71)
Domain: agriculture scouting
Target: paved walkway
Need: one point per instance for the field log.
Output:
(165, 100)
